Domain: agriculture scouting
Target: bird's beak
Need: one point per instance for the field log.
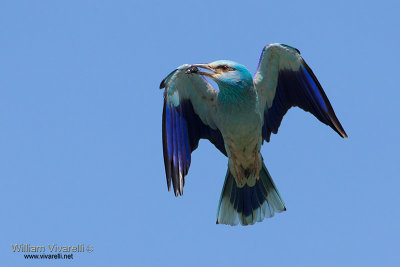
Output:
(195, 69)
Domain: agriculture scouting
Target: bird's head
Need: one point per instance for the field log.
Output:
(225, 73)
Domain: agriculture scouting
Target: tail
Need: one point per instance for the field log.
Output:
(249, 205)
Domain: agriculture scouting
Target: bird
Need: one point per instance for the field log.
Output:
(237, 118)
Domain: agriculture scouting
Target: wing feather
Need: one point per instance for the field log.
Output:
(188, 116)
(284, 80)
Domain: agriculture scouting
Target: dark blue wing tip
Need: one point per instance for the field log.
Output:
(334, 121)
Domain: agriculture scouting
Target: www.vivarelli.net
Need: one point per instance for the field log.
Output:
(51, 251)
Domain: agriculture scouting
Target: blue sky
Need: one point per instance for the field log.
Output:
(80, 134)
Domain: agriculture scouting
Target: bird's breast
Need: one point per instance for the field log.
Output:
(240, 122)
(242, 133)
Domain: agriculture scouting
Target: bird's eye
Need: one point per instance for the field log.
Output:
(224, 67)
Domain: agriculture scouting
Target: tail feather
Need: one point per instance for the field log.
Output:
(249, 205)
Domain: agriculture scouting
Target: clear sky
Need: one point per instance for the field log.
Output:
(80, 134)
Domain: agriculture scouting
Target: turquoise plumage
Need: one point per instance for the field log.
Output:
(237, 119)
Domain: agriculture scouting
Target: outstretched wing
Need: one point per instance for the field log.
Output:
(188, 116)
(284, 80)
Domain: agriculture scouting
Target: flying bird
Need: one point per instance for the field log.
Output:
(237, 119)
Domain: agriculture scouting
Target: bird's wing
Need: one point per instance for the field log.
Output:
(188, 115)
(284, 80)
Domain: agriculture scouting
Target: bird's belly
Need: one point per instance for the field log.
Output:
(244, 158)
(243, 139)
(244, 148)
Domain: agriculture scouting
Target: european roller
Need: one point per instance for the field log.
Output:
(237, 119)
